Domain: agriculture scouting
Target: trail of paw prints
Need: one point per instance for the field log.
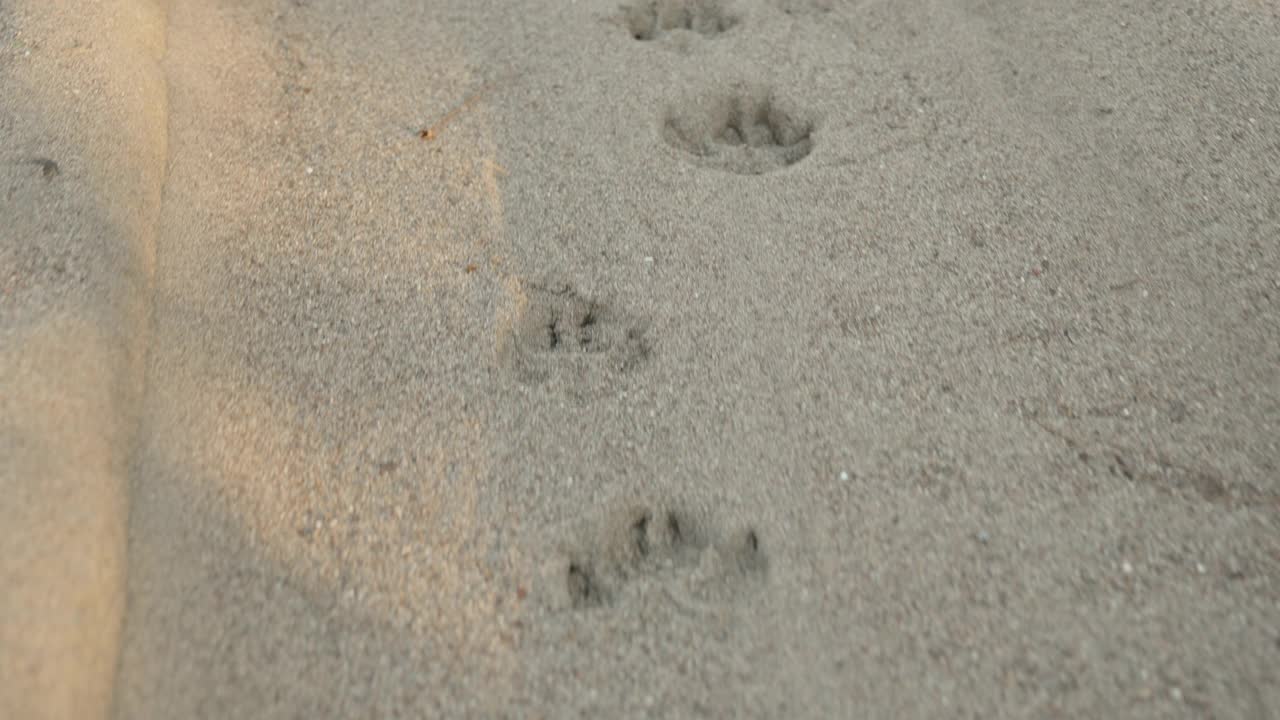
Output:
(559, 333)
(745, 131)
(649, 20)
(667, 552)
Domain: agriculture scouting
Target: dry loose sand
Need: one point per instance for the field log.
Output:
(677, 358)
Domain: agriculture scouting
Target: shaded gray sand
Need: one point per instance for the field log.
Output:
(603, 398)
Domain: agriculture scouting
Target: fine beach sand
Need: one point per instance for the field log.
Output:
(755, 358)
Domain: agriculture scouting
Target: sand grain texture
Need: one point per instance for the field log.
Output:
(766, 358)
(82, 152)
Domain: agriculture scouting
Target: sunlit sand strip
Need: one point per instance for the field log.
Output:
(83, 92)
(232, 428)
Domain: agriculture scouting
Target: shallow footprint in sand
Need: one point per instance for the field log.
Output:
(558, 331)
(744, 131)
(653, 19)
(668, 551)
(802, 8)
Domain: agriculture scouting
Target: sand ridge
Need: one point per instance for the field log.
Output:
(83, 119)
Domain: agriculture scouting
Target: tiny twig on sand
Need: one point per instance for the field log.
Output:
(431, 133)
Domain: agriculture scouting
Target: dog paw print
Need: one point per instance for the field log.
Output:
(742, 132)
(654, 19)
(558, 331)
(666, 548)
(804, 8)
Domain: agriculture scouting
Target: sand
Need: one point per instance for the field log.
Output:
(82, 147)
(768, 358)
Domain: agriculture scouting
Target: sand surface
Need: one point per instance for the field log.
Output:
(767, 358)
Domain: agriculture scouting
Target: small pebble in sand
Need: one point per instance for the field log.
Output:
(48, 168)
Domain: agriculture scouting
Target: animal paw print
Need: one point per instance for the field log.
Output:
(801, 8)
(558, 330)
(745, 132)
(653, 19)
(668, 548)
